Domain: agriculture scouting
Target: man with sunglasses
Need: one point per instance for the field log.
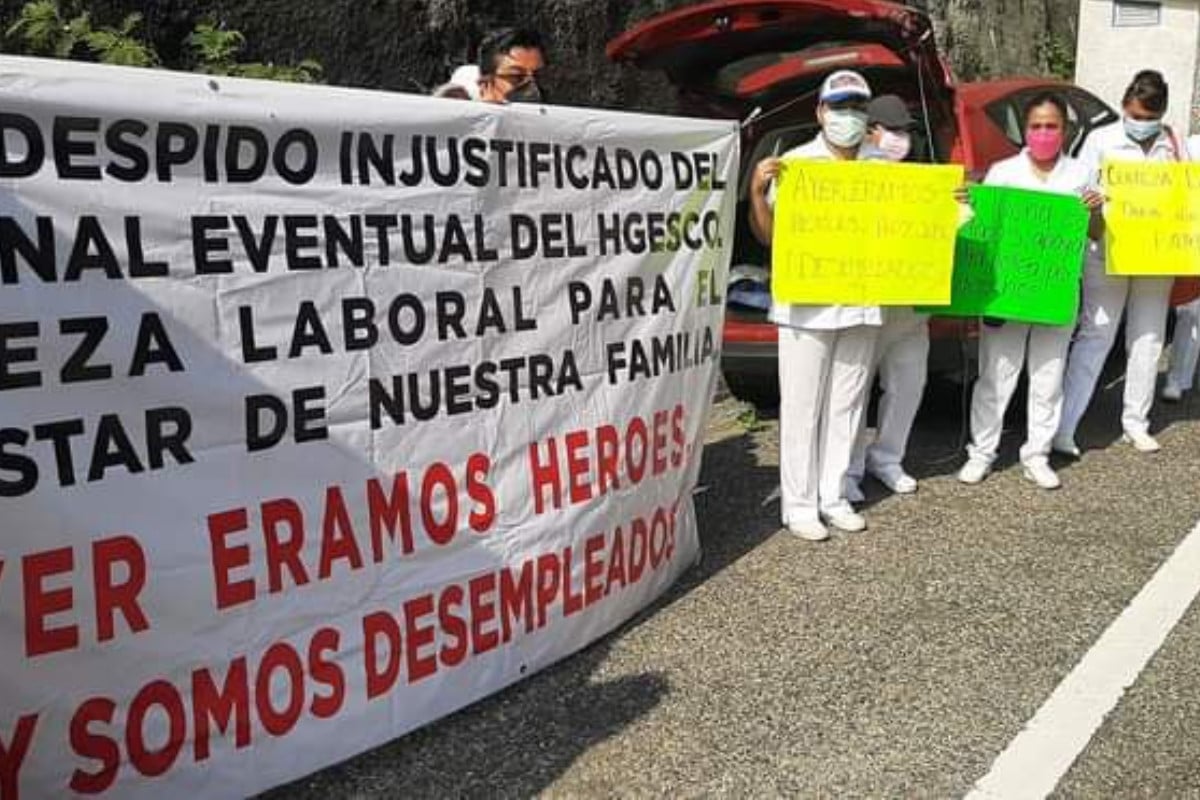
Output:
(510, 67)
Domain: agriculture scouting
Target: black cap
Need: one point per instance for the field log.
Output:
(889, 111)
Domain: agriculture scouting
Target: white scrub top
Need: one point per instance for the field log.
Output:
(1111, 142)
(1068, 176)
(790, 315)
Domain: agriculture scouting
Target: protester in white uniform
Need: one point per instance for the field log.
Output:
(1006, 347)
(1185, 348)
(825, 352)
(1144, 301)
(902, 352)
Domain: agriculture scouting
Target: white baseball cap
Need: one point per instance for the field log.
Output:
(844, 84)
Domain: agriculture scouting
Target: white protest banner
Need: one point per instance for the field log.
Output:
(324, 413)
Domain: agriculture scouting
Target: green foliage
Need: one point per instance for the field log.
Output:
(42, 31)
(120, 46)
(748, 419)
(307, 71)
(1056, 56)
(63, 29)
(46, 28)
(216, 48)
(216, 52)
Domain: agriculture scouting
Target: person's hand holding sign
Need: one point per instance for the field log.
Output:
(767, 170)
(1093, 200)
(761, 214)
(962, 196)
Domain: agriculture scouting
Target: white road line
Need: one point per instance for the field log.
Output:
(1037, 759)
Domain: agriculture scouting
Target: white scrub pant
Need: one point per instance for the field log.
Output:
(1185, 348)
(1145, 302)
(823, 379)
(902, 359)
(1003, 352)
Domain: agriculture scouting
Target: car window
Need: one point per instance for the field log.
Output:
(1004, 113)
(1092, 113)
(1009, 115)
(1085, 113)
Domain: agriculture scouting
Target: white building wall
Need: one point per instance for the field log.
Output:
(1107, 56)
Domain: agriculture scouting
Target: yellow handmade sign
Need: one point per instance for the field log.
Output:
(1153, 218)
(864, 233)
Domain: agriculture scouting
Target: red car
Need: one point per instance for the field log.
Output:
(762, 61)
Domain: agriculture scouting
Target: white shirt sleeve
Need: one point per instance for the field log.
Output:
(1012, 171)
(995, 174)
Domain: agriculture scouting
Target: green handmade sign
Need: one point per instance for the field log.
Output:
(1020, 258)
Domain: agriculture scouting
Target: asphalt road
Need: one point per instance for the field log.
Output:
(894, 663)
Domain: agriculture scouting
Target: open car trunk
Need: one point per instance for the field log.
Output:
(763, 61)
(730, 57)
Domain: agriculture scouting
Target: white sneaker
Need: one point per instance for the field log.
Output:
(846, 519)
(853, 491)
(1040, 473)
(1065, 445)
(974, 471)
(1142, 441)
(810, 530)
(896, 479)
(1171, 392)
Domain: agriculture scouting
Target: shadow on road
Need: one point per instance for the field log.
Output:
(517, 742)
(734, 519)
(512, 744)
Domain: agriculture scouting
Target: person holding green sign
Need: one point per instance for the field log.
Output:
(1005, 348)
(1143, 301)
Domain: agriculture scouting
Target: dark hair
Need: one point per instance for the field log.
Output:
(1046, 98)
(497, 43)
(1149, 89)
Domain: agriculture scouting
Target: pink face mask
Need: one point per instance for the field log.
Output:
(895, 146)
(1044, 144)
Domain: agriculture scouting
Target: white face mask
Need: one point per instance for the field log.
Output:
(894, 146)
(845, 128)
(1143, 130)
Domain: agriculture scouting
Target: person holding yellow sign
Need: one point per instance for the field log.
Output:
(1140, 136)
(1005, 348)
(825, 352)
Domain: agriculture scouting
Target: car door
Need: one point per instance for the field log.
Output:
(1085, 113)
(991, 118)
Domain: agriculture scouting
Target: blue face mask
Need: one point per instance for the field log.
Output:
(1143, 130)
(845, 127)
